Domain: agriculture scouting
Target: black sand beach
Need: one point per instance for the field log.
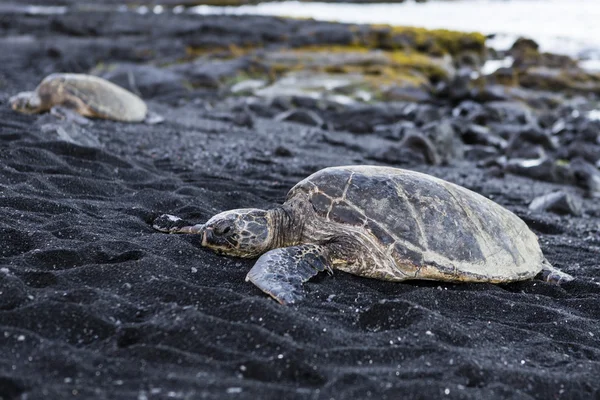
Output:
(95, 304)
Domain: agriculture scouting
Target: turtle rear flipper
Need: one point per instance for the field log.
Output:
(281, 272)
(554, 275)
(153, 118)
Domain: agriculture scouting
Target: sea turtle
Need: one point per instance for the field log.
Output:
(376, 222)
(87, 95)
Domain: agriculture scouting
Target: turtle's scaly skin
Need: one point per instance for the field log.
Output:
(407, 225)
(88, 95)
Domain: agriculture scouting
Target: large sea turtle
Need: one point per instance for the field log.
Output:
(87, 95)
(376, 222)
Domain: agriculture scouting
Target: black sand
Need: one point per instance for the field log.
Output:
(96, 304)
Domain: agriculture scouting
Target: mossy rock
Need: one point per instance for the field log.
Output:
(355, 59)
(506, 76)
(435, 42)
(569, 80)
(526, 54)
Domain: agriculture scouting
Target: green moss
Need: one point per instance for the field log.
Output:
(431, 41)
(381, 70)
(366, 61)
(432, 68)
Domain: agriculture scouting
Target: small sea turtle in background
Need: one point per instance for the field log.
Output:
(376, 222)
(88, 95)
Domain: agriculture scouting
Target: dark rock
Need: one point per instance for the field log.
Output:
(558, 79)
(547, 120)
(211, 73)
(509, 112)
(468, 109)
(407, 93)
(282, 103)
(590, 152)
(262, 109)
(305, 102)
(518, 135)
(526, 151)
(491, 92)
(523, 44)
(403, 155)
(425, 114)
(540, 169)
(364, 118)
(479, 152)
(495, 172)
(283, 151)
(526, 53)
(586, 175)
(560, 202)
(588, 130)
(420, 143)
(396, 131)
(243, 118)
(478, 134)
(145, 80)
(529, 142)
(468, 59)
(459, 88)
(449, 146)
(505, 76)
(551, 60)
(322, 34)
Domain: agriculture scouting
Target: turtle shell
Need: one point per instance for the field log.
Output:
(104, 98)
(433, 229)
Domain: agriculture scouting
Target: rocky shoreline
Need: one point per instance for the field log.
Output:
(96, 304)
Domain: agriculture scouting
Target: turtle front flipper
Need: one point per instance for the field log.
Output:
(281, 272)
(69, 114)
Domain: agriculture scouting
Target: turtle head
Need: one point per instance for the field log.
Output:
(26, 102)
(246, 232)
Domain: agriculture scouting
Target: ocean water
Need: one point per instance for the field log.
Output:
(561, 26)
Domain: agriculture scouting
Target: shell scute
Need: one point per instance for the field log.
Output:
(378, 198)
(445, 226)
(332, 184)
(380, 233)
(402, 253)
(320, 203)
(341, 212)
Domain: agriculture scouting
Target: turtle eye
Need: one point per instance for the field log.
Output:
(222, 229)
